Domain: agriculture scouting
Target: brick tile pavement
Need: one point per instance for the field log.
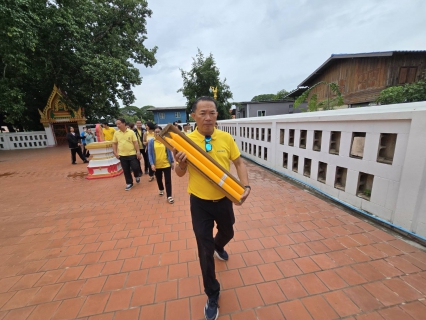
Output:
(77, 249)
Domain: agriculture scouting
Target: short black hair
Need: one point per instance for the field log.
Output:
(150, 125)
(122, 120)
(105, 124)
(203, 98)
(158, 127)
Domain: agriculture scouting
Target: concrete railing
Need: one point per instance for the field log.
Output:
(23, 140)
(371, 158)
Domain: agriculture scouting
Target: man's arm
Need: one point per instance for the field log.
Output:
(138, 153)
(114, 148)
(180, 158)
(243, 176)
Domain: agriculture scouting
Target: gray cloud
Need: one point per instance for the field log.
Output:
(265, 46)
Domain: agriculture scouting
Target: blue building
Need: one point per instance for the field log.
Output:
(163, 116)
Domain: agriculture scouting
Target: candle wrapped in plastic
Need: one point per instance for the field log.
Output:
(217, 171)
(198, 160)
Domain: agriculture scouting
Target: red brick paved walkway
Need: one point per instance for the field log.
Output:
(72, 248)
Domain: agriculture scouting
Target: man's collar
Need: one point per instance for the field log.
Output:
(202, 137)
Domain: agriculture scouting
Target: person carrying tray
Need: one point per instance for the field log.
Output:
(207, 203)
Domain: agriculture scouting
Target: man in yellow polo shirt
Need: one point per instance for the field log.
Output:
(126, 149)
(207, 204)
(108, 132)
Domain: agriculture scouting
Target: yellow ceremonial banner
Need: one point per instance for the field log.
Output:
(201, 161)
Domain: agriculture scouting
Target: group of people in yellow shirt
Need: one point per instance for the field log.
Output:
(130, 146)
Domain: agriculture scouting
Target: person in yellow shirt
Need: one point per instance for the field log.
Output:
(139, 131)
(108, 132)
(126, 149)
(147, 136)
(161, 160)
(207, 204)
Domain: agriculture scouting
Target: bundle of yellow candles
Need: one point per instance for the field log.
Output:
(197, 159)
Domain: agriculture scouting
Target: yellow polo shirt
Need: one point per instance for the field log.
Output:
(125, 142)
(224, 150)
(108, 133)
(161, 160)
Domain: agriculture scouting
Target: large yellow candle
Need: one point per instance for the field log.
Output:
(204, 169)
(207, 163)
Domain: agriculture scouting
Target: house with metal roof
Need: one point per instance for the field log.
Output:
(362, 76)
(167, 115)
(250, 109)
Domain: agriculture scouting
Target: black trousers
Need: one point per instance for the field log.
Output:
(85, 151)
(80, 154)
(167, 179)
(145, 160)
(204, 213)
(128, 162)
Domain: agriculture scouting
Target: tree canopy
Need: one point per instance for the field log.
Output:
(335, 98)
(132, 114)
(197, 83)
(87, 48)
(270, 96)
(411, 92)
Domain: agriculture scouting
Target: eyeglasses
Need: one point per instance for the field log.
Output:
(208, 139)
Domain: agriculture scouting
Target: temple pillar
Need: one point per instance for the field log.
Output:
(49, 134)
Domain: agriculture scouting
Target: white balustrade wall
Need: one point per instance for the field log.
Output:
(372, 158)
(23, 140)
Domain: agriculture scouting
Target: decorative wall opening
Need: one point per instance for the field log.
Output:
(285, 160)
(307, 167)
(269, 135)
(291, 138)
(386, 150)
(357, 145)
(335, 142)
(282, 136)
(265, 153)
(322, 172)
(340, 181)
(365, 185)
(295, 163)
(317, 140)
(303, 134)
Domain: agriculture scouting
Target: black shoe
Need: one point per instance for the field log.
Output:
(73, 163)
(146, 172)
(221, 255)
(211, 310)
(128, 187)
(85, 161)
(138, 179)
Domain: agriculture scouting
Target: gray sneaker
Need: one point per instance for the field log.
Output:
(138, 179)
(128, 187)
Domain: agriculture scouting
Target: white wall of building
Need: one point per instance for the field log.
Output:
(23, 140)
(398, 192)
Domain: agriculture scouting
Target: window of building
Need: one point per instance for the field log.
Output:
(407, 75)
(177, 115)
(261, 113)
(162, 115)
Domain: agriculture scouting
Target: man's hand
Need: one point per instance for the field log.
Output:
(117, 155)
(152, 167)
(180, 157)
(244, 196)
(138, 155)
(79, 144)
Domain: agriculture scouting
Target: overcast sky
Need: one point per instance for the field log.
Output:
(265, 46)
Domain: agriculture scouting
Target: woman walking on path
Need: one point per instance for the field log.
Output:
(147, 136)
(162, 161)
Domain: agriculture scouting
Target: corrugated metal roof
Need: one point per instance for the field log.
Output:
(167, 108)
(354, 55)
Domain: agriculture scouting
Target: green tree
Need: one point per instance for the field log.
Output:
(329, 104)
(200, 78)
(270, 96)
(87, 48)
(133, 113)
(411, 92)
(264, 97)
